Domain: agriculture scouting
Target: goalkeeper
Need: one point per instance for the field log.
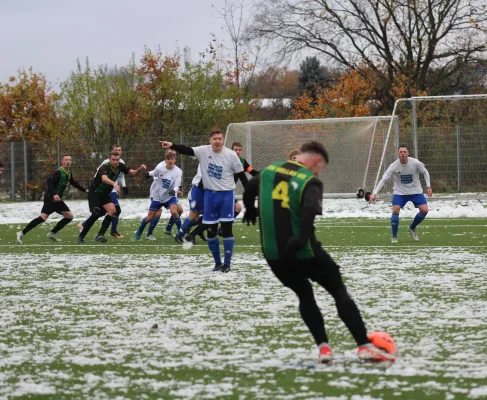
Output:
(407, 187)
(290, 196)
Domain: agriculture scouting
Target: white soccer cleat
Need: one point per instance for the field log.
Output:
(413, 234)
(53, 236)
(20, 237)
(150, 237)
(394, 240)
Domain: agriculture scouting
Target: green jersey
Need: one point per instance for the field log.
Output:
(280, 203)
(63, 181)
(97, 184)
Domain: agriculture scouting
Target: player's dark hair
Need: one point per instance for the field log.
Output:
(116, 145)
(314, 147)
(216, 132)
(1, 165)
(114, 153)
(403, 145)
(238, 144)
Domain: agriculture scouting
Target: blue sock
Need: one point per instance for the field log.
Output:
(152, 225)
(170, 224)
(143, 223)
(178, 223)
(417, 220)
(187, 225)
(214, 246)
(394, 224)
(114, 224)
(235, 214)
(228, 243)
(83, 223)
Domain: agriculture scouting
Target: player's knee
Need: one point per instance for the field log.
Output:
(227, 229)
(44, 217)
(180, 209)
(99, 212)
(212, 230)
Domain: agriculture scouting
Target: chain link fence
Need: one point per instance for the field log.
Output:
(28, 165)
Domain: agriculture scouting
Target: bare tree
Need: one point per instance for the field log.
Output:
(389, 37)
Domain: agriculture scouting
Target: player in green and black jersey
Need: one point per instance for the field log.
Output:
(99, 198)
(290, 196)
(56, 185)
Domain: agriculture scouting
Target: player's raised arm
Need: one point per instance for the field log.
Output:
(134, 172)
(180, 148)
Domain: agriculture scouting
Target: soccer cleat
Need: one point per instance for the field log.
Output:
(117, 235)
(217, 267)
(226, 268)
(20, 237)
(150, 237)
(190, 238)
(138, 235)
(168, 233)
(394, 240)
(81, 240)
(324, 356)
(368, 352)
(53, 237)
(178, 239)
(80, 227)
(413, 234)
(100, 238)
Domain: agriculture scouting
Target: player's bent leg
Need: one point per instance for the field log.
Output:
(110, 213)
(214, 246)
(68, 217)
(395, 222)
(153, 223)
(228, 245)
(31, 225)
(114, 229)
(292, 277)
(419, 217)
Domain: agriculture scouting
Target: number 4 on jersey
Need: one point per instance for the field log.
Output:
(281, 192)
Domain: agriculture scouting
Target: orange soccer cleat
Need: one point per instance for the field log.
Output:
(368, 352)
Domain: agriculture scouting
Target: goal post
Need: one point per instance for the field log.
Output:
(355, 147)
(448, 134)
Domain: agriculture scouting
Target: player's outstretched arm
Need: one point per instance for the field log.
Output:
(134, 172)
(75, 184)
(180, 148)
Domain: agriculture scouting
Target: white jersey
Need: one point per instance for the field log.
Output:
(217, 169)
(165, 180)
(121, 177)
(406, 177)
(197, 178)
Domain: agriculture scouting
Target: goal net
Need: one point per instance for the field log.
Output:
(354, 146)
(448, 134)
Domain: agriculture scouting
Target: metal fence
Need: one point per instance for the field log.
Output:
(28, 165)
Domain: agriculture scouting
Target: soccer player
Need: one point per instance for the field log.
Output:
(99, 198)
(293, 154)
(218, 165)
(167, 180)
(114, 195)
(56, 185)
(290, 196)
(238, 148)
(196, 204)
(407, 187)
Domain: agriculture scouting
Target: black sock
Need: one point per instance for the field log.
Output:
(32, 224)
(350, 315)
(105, 224)
(313, 319)
(88, 224)
(61, 224)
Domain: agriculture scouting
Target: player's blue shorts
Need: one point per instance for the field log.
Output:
(401, 199)
(157, 205)
(219, 207)
(196, 199)
(114, 197)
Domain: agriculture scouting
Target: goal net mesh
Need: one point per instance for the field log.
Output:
(354, 145)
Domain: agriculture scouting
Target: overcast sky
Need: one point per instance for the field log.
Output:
(50, 35)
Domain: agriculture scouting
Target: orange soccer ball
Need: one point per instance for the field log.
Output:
(383, 341)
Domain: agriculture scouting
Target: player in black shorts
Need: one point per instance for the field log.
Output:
(290, 196)
(56, 185)
(99, 198)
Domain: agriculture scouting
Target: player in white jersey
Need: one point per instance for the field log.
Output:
(114, 195)
(167, 180)
(218, 166)
(407, 187)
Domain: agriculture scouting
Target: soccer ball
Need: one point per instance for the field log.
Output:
(383, 341)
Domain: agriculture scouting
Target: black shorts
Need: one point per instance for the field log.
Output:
(96, 201)
(50, 206)
(321, 269)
